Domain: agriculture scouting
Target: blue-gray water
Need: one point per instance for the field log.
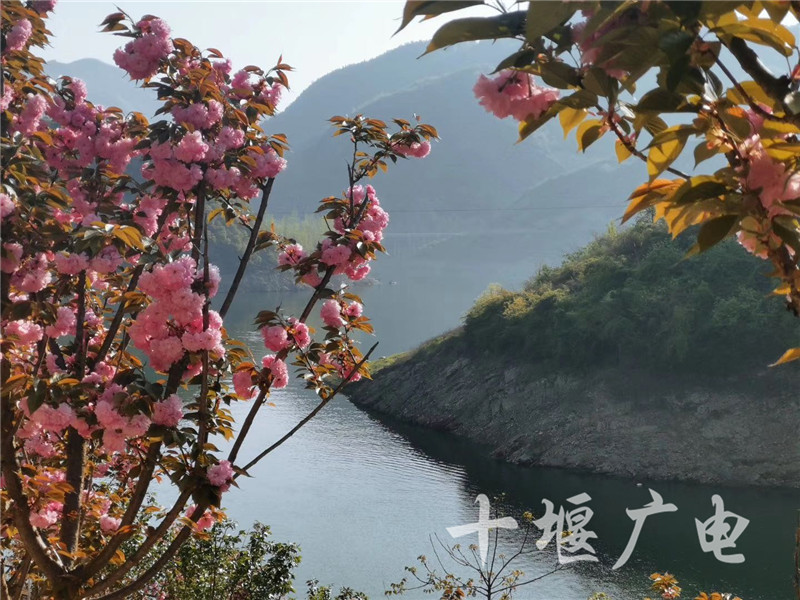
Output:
(363, 496)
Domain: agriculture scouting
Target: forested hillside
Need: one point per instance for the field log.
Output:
(630, 299)
(614, 362)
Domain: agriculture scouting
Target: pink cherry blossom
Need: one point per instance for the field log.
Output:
(31, 115)
(169, 412)
(109, 524)
(18, 36)
(53, 419)
(71, 264)
(43, 6)
(513, 93)
(191, 148)
(279, 370)
(336, 255)
(292, 255)
(300, 333)
(417, 149)
(47, 516)
(353, 310)
(331, 314)
(64, 325)
(220, 474)
(33, 275)
(275, 337)
(107, 260)
(142, 56)
(268, 163)
(8, 97)
(243, 385)
(206, 520)
(199, 115)
(27, 332)
(11, 257)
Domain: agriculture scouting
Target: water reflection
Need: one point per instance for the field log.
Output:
(362, 497)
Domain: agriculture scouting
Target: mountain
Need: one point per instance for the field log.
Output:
(479, 202)
(107, 84)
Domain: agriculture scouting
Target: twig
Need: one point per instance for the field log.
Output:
(251, 242)
(313, 413)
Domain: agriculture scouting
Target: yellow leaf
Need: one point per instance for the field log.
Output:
(623, 153)
(651, 194)
(788, 356)
(570, 118)
(754, 91)
(665, 148)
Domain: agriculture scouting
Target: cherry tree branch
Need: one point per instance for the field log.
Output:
(631, 147)
(141, 552)
(313, 413)
(248, 422)
(20, 511)
(775, 87)
(70, 526)
(248, 251)
(155, 568)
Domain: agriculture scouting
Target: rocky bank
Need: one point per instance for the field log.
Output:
(731, 431)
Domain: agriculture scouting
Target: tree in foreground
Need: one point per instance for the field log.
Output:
(116, 372)
(661, 76)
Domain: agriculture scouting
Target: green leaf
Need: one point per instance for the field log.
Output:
(475, 28)
(580, 99)
(521, 58)
(588, 133)
(699, 188)
(599, 82)
(704, 152)
(660, 100)
(622, 151)
(760, 31)
(570, 118)
(129, 235)
(429, 8)
(528, 127)
(559, 74)
(543, 17)
(713, 232)
(789, 235)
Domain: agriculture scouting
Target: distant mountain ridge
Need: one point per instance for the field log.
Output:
(476, 186)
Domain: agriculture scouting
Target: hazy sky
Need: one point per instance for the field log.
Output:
(315, 37)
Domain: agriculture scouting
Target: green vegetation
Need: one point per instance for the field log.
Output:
(226, 562)
(630, 299)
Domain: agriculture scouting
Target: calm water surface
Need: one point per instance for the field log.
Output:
(363, 496)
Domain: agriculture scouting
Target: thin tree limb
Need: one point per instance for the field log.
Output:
(248, 251)
(312, 414)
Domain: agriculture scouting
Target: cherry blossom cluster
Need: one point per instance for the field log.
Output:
(514, 94)
(142, 56)
(773, 184)
(590, 45)
(173, 323)
(414, 149)
(336, 313)
(106, 276)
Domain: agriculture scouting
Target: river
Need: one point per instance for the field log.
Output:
(363, 497)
